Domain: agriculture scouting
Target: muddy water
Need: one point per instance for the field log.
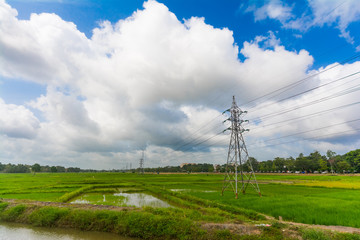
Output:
(13, 231)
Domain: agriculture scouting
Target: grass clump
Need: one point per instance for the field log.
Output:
(224, 234)
(3, 205)
(68, 196)
(148, 226)
(47, 216)
(12, 214)
(316, 234)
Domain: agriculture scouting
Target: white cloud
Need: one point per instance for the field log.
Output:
(343, 127)
(336, 13)
(17, 121)
(24, 54)
(340, 13)
(274, 9)
(149, 81)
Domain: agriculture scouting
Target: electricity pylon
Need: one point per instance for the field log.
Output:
(141, 168)
(238, 156)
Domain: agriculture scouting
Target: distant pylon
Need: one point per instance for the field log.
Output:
(238, 155)
(141, 168)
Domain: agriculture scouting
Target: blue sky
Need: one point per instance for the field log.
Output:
(163, 70)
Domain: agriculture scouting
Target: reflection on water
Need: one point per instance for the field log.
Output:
(14, 231)
(191, 190)
(142, 199)
(121, 199)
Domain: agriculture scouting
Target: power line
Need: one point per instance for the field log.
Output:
(307, 91)
(339, 94)
(189, 142)
(297, 119)
(311, 138)
(298, 133)
(283, 89)
(292, 85)
(310, 115)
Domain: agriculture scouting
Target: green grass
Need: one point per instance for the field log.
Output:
(313, 199)
(139, 224)
(315, 234)
(13, 213)
(311, 205)
(34, 196)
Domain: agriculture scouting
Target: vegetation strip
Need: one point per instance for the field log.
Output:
(145, 225)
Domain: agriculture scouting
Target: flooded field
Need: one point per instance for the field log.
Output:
(190, 190)
(10, 231)
(121, 199)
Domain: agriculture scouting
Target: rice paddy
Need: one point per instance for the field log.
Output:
(311, 199)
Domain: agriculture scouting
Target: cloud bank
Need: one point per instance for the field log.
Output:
(148, 81)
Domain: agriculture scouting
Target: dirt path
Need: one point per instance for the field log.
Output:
(325, 227)
(72, 205)
(343, 229)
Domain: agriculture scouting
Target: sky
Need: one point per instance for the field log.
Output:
(92, 84)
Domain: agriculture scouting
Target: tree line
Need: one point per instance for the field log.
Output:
(314, 162)
(24, 168)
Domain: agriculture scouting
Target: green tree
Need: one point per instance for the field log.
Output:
(290, 164)
(279, 164)
(53, 169)
(60, 169)
(331, 157)
(302, 163)
(73, 169)
(343, 166)
(36, 167)
(330, 154)
(12, 168)
(315, 159)
(353, 158)
(254, 163)
(262, 167)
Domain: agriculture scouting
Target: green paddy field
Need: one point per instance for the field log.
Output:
(189, 199)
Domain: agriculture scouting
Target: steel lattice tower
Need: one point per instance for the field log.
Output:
(141, 168)
(238, 155)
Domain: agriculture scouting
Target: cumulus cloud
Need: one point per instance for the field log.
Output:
(31, 50)
(147, 81)
(17, 121)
